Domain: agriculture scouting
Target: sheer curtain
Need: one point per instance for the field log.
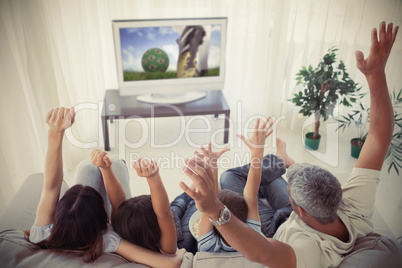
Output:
(55, 53)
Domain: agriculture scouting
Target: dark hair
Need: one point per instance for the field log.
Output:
(235, 203)
(135, 221)
(80, 218)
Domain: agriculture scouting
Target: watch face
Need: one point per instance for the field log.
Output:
(226, 216)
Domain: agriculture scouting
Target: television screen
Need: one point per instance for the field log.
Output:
(170, 52)
(170, 55)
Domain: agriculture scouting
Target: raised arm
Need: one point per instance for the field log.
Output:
(381, 113)
(256, 145)
(160, 204)
(113, 186)
(59, 120)
(241, 237)
(212, 158)
(148, 257)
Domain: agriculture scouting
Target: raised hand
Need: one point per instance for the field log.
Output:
(59, 119)
(379, 51)
(100, 159)
(203, 193)
(259, 135)
(208, 153)
(146, 168)
(381, 112)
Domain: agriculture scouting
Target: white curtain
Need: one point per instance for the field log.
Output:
(60, 53)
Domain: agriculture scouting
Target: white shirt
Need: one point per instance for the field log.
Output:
(316, 249)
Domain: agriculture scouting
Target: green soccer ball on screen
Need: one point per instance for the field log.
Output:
(155, 60)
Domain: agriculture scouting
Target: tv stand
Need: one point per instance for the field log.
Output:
(213, 103)
(172, 98)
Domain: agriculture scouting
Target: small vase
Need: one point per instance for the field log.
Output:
(310, 143)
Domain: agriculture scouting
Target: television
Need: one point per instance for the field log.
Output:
(170, 60)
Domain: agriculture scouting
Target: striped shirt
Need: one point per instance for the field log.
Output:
(211, 242)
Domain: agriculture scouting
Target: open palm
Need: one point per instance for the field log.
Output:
(379, 50)
(260, 134)
(208, 153)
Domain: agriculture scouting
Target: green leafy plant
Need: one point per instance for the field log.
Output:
(359, 117)
(324, 86)
(394, 154)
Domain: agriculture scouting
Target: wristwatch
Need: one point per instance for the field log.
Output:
(224, 217)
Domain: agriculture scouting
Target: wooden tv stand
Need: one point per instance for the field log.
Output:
(127, 106)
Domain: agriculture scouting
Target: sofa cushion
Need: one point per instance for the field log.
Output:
(15, 251)
(223, 260)
(21, 212)
(373, 250)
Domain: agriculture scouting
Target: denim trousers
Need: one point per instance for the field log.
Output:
(273, 188)
(183, 206)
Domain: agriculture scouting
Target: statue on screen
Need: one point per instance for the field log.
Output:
(193, 51)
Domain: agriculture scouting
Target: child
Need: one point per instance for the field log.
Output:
(144, 220)
(273, 187)
(183, 207)
(246, 207)
(79, 221)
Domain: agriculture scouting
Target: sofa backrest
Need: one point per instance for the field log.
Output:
(21, 212)
(373, 250)
(15, 252)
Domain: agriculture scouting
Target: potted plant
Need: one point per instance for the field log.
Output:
(324, 86)
(358, 117)
(394, 154)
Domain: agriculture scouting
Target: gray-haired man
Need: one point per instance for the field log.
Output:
(327, 219)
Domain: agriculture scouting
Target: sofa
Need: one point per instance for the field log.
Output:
(375, 250)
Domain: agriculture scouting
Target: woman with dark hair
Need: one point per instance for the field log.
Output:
(73, 229)
(79, 220)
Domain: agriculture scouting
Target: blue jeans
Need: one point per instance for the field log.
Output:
(90, 175)
(273, 187)
(183, 206)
